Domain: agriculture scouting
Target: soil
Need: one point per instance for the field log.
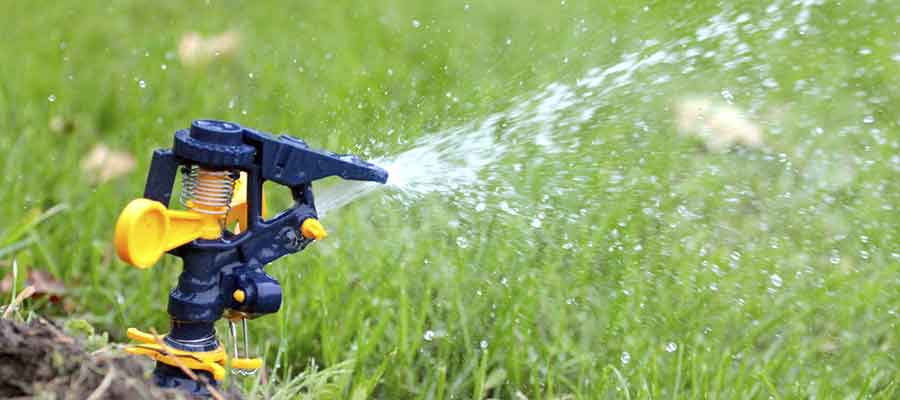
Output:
(38, 361)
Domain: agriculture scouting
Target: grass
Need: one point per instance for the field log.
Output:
(660, 270)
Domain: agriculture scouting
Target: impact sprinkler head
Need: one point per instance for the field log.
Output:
(223, 238)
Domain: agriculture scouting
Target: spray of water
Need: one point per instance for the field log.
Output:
(463, 159)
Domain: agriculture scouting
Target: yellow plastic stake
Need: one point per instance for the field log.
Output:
(146, 229)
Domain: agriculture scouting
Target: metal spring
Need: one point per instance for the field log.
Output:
(206, 191)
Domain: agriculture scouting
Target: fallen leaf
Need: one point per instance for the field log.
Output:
(721, 126)
(103, 164)
(829, 345)
(43, 282)
(195, 50)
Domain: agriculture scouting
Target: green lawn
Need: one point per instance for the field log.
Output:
(655, 269)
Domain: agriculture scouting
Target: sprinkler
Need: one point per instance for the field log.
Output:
(223, 238)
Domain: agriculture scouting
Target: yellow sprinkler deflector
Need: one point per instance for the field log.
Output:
(146, 229)
(213, 362)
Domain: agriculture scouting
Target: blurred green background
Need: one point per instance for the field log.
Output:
(659, 269)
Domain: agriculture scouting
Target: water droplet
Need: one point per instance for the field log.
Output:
(508, 41)
(416, 23)
(51, 97)
(625, 358)
(250, 75)
(142, 84)
(466, 7)
(671, 347)
(536, 223)
(462, 242)
(429, 335)
(163, 67)
(480, 207)
(776, 280)
(483, 344)
(727, 96)
(868, 119)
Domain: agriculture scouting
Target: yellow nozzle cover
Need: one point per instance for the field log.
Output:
(313, 229)
(146, 229)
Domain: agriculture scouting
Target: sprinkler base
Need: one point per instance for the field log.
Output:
(167, 376)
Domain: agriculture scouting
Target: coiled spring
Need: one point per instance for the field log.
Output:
(207, 191)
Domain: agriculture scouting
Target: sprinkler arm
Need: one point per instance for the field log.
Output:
(284, 160)
(291, 162)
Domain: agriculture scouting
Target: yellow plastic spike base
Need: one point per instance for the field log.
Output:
(146, 229)
(213, 362)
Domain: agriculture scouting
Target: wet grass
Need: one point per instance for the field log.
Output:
(659, 270)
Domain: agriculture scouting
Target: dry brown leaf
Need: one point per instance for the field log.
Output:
(829, 345)
(721, 126)
(44, 283)
(195, 50)
(103, 164)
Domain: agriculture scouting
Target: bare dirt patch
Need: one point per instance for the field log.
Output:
(38, 361)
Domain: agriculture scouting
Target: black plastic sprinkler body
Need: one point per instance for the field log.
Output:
(223, 238)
